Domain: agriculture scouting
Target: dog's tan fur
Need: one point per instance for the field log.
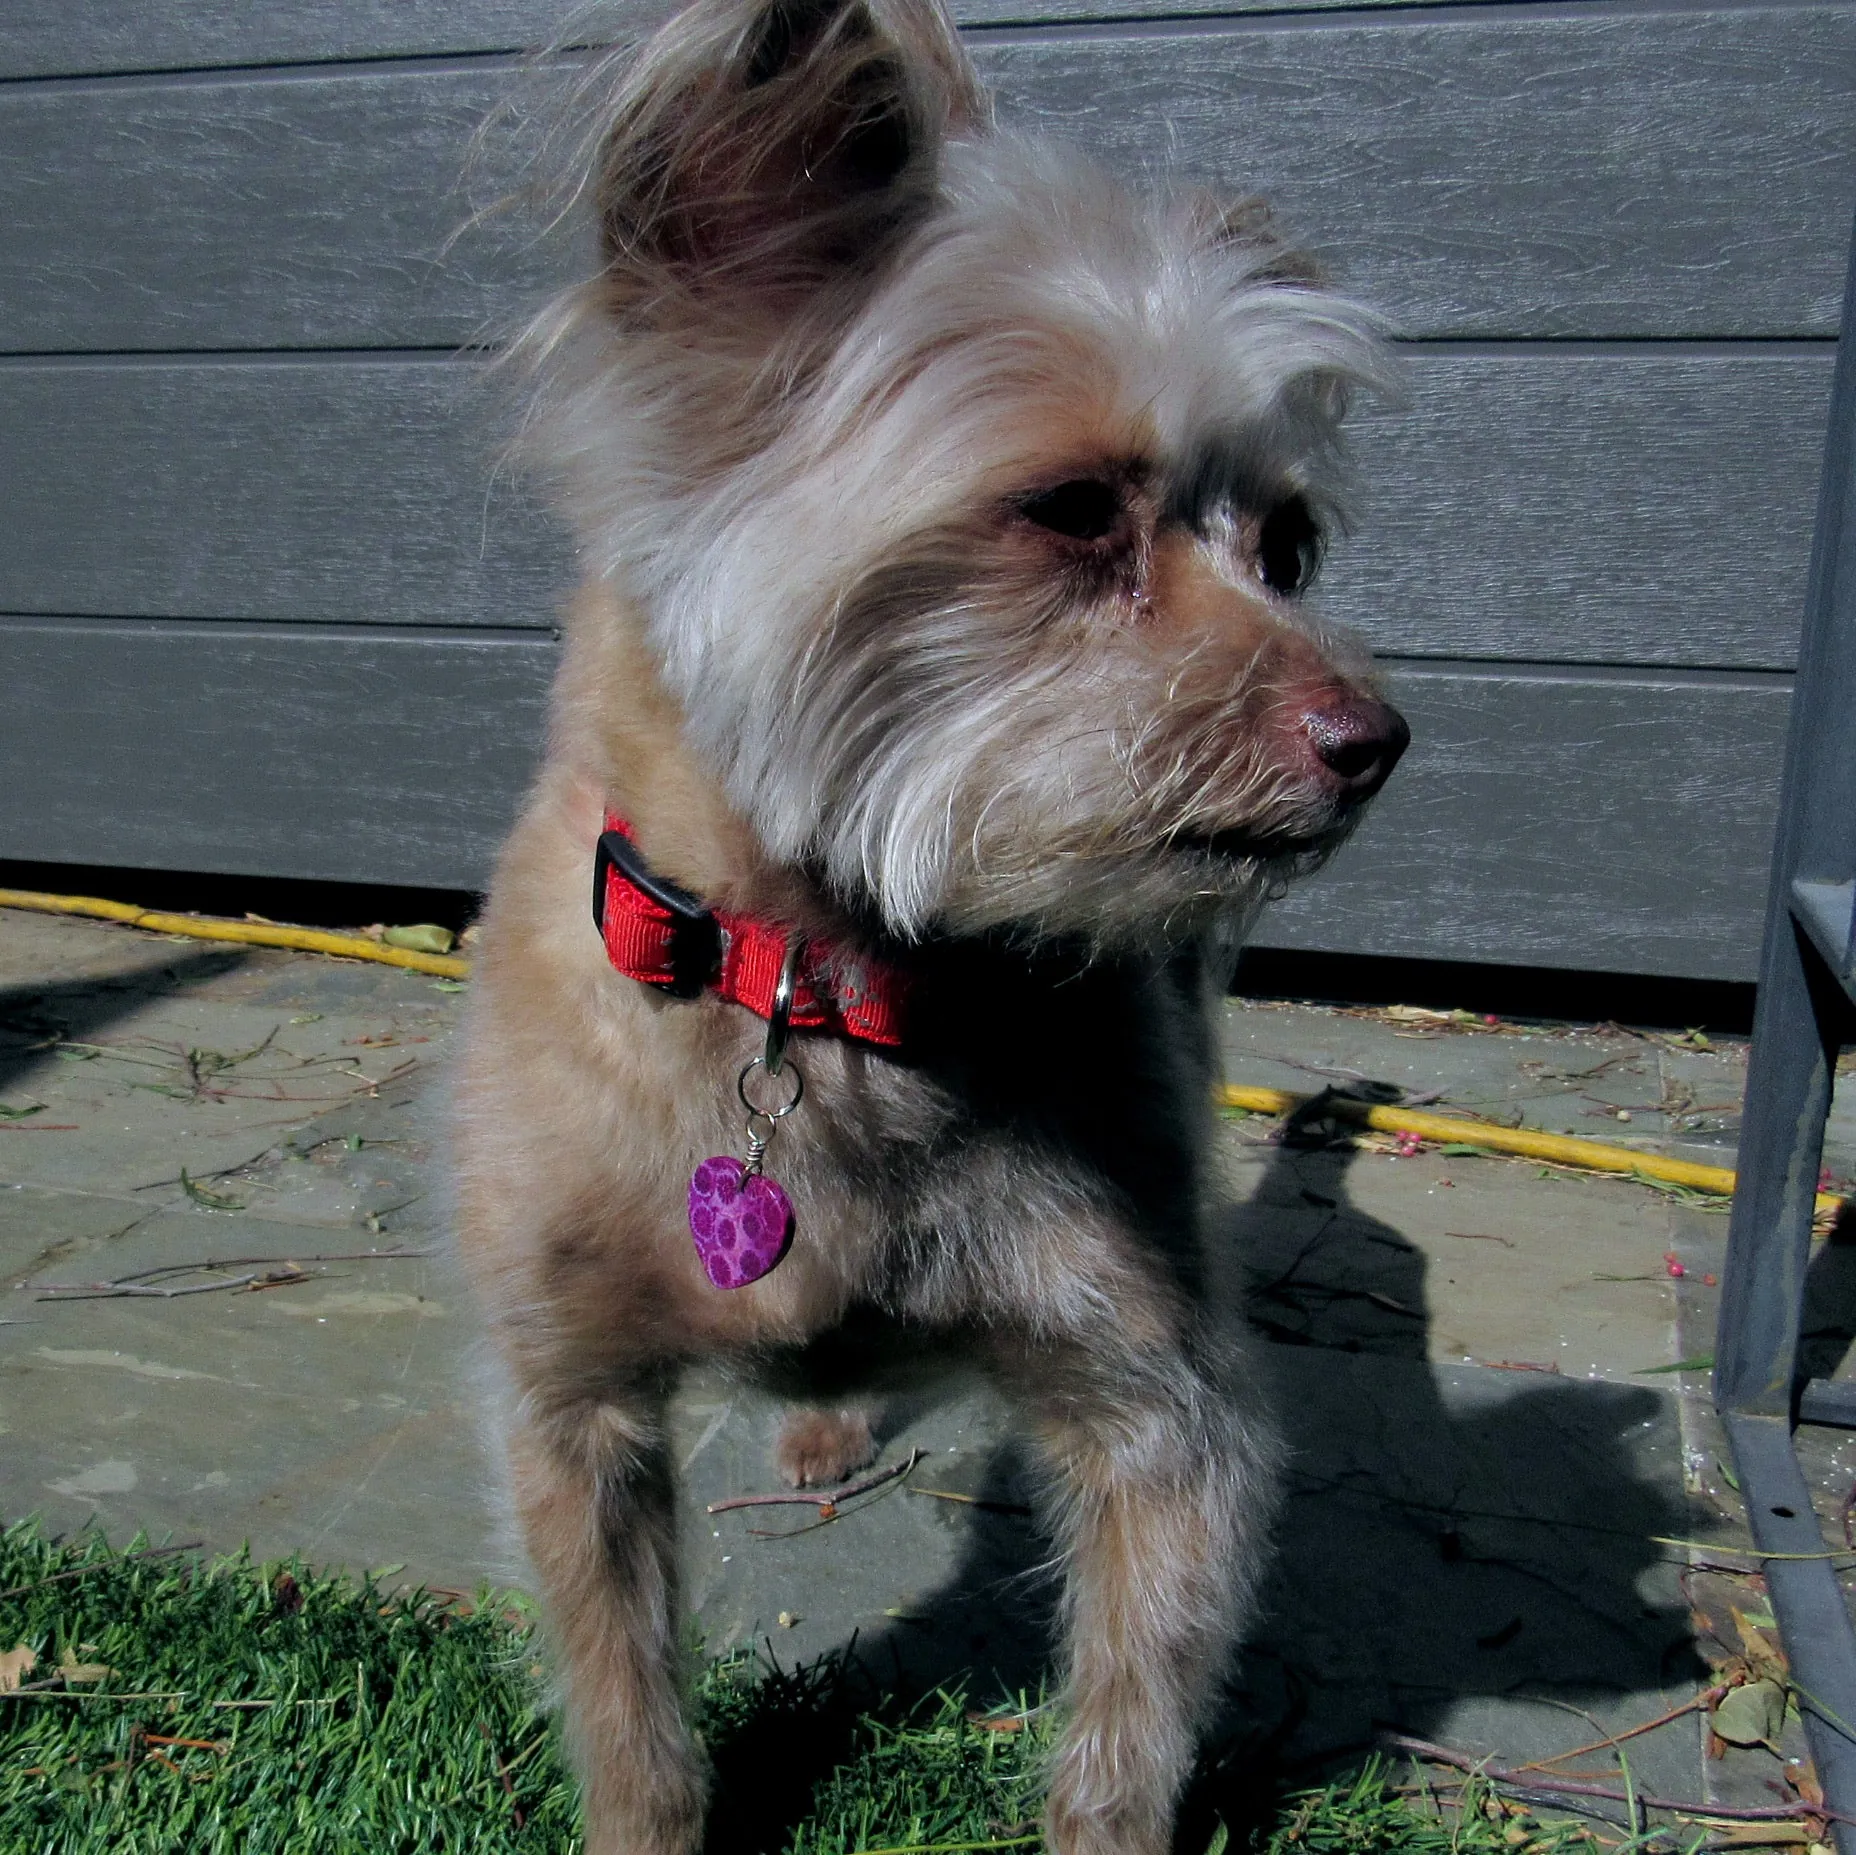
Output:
(1020, 1188)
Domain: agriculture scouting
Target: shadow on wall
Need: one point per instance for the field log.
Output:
(1450, 1535)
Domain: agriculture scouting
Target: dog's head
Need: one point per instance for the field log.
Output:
(970, 499)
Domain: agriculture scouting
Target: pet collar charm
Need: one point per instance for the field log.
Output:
(741, 1220)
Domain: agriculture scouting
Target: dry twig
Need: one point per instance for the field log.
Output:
(1525, 1780)
(974, 1500)
(820, 1501)
(1648, 1726)
(516, 1813)
(283, 1271)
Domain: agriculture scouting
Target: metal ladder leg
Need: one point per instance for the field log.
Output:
(1806, 1013)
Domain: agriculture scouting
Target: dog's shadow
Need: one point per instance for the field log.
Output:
(1450, 1536)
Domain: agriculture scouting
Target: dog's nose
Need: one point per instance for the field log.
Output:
(1358, 740)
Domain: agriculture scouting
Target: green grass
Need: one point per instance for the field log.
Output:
(384, 1722)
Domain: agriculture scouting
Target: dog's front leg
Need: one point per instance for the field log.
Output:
(595, 1494)
(1163, 1490)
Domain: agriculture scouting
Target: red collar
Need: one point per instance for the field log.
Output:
(662, 935)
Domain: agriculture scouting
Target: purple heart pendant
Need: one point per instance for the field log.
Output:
(742, 1222)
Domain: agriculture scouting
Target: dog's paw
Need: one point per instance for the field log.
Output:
(819, 1447)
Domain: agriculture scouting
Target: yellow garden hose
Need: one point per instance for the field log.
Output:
(1521, 1142)
(249, 933)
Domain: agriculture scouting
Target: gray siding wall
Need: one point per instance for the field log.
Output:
(265, 606)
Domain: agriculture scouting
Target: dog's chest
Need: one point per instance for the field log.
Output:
(1027, 1077)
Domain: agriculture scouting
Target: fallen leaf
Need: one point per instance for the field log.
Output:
(19, 1114)
(422, 937)
(74, 1673)
(1803, 1779)
(1759, 1835)
(1702, 1362)
(1764, 1656)
(15, 1666)
(1750, 1715)
(206, 1200)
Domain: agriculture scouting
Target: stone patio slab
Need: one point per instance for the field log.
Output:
(1485, 1460)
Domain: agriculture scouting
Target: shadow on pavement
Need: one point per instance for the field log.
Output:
(1828, 1328)
(1456, 1541)
(36, 1018)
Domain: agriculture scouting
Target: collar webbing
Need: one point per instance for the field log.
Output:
(661, 935)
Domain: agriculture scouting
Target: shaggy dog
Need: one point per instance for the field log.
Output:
(942, 689)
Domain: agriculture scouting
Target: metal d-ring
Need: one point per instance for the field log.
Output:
(779, 1019)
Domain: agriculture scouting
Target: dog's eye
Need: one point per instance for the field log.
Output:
(1289, 548)
(1085, 509)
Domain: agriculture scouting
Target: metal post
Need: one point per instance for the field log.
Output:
(1807, 984)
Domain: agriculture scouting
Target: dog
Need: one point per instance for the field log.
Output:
(941, 703)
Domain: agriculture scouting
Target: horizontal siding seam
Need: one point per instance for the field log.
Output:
(484, 355)
(342, 630)
(76, 359)
(1551, 670)
(1342, 19)
(1619, 347)
(1181, 23)
(1494, 669)
(304, 70)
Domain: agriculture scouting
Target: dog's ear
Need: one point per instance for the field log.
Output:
(1250, 225)
(764, 146)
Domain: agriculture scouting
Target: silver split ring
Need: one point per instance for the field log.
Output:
(779, 1020)
(754, 1108)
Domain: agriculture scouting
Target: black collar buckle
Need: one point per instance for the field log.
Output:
(695, 955)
